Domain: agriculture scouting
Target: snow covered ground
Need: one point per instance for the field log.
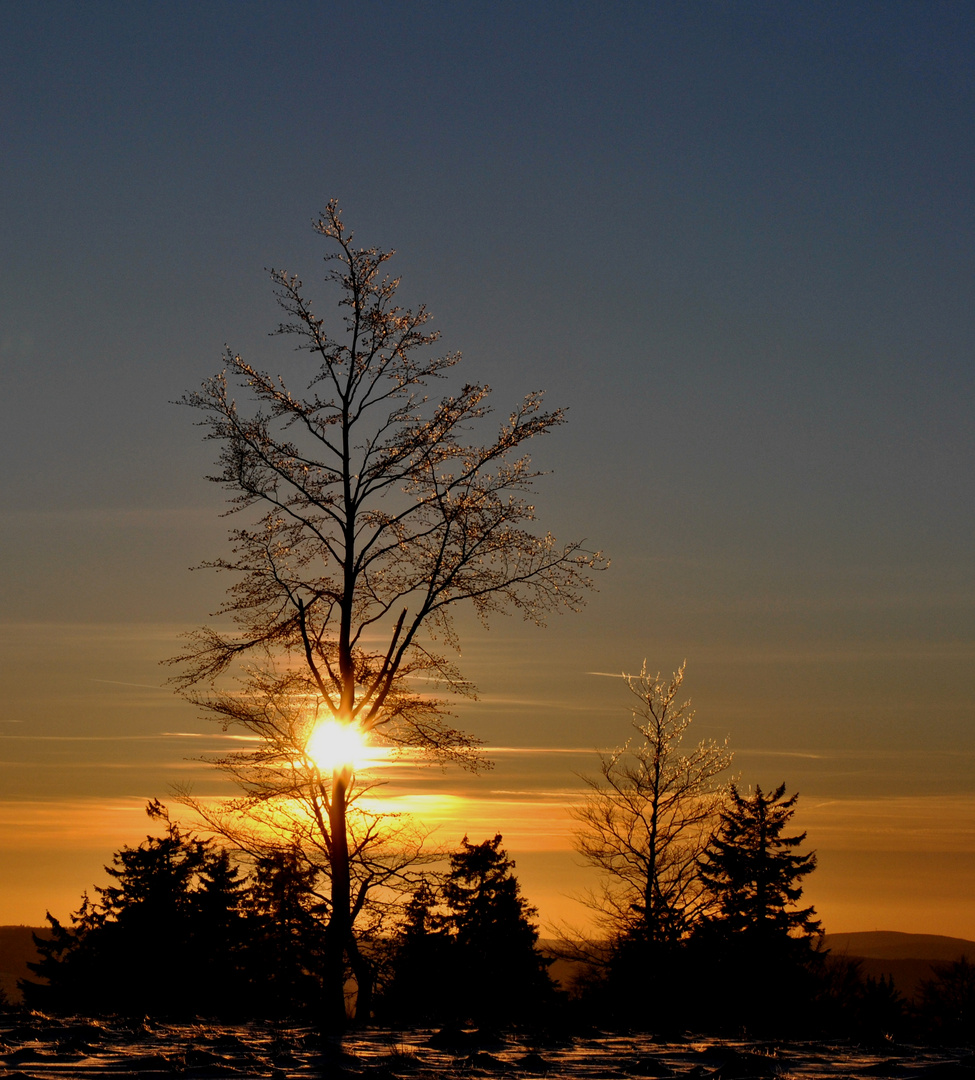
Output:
(33, 1046)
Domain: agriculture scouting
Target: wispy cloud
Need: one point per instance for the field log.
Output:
(28, 824)
(529, 751)
(127, 516)
(803, 754)
(92, 631)
(216, 736)
(139, 685)
(539, 704)
(815, 652)
(923, 823)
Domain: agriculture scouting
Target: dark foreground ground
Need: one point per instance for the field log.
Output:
(42, 1048)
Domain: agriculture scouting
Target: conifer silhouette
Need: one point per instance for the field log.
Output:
(756, 957)
(467, 950)
(754, 871)
(166, 937)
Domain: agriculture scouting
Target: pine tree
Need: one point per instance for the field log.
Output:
(754, 871)
(219, 933)
(947, 1002)
(420, 988)
(755, 958)
(467, 948)
(62, 968)
(286, 945)
(152, 942)
(499, 971)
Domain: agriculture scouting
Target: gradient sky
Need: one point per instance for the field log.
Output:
(734, 239)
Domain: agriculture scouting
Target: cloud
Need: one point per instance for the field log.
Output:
(138, 685)
(154, 737)
(126, 516)
(92, 631)
(783, 754)
(43, 823)
(536, 703)
(529, 751)
(922, 823)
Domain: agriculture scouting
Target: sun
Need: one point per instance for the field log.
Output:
(333, 745)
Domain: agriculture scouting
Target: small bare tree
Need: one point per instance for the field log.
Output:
(375, 518)
(650, 815)
(281, 809)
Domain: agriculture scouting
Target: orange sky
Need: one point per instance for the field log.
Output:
(92, 740)
(737, 247)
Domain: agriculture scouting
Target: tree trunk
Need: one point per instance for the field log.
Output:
(365, 980)
(339, 925)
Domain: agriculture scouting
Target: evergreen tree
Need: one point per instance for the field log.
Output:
(130, 949)
(947, 1002)
(856, 1005)
(154, 941)
(419, 990)
(754, 871)
(62, 966)
(287, 937)
(757, 953)
(219, 933)
(499, 971)
(467, 946)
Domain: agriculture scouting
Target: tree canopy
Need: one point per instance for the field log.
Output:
(175, 906)
(468, 947)
(755, 871)
(756, 953)
(649, 816)
(366, 514)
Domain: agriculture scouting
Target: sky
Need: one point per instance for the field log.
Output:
(734, 240)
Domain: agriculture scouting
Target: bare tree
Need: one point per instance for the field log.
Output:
(650, 815)
(375, 517)
(282, 808)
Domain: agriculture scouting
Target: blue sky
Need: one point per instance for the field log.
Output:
(735, 240)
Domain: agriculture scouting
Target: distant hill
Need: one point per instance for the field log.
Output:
(908, 959)
(563, 972)
(16, 949)
(891, 945)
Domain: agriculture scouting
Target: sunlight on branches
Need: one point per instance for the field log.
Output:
(333, 746)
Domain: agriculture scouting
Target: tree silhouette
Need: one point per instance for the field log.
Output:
(491, 925)
(645, 822)
(467, 951)
(758, 947)
(500, 971)
(220, 938)
(650, 815)
(130, 950)
(946, 1005)
(421, 987)
(850, 1003)
(754, 871)
(286, 935)
(375, 517)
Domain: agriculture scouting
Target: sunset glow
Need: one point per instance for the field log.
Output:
(733, 252)
(333, 745)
